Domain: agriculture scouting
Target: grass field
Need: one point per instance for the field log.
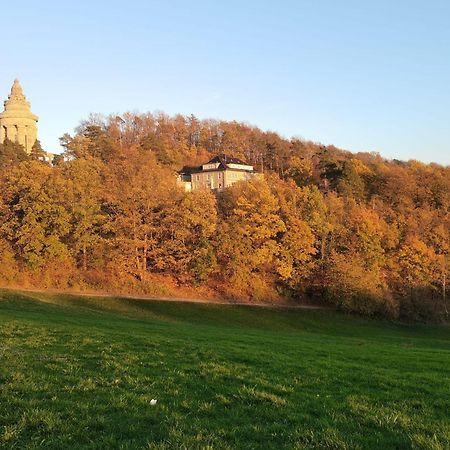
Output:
(80, 372)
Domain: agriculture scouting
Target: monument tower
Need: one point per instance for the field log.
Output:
(17, 122)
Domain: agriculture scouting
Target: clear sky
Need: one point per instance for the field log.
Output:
(364, 75)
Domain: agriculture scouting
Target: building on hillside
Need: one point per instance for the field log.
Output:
(217, 174)
(17, 122)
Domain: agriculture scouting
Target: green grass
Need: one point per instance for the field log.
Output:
(79, 372)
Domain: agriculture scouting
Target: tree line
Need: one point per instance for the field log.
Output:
(357, 231)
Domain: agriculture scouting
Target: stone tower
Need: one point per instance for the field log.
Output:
(17, 122)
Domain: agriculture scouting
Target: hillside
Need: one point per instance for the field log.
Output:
(80, 372)
(356, 231)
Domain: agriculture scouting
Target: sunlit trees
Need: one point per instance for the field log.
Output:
(363, 233)
(300, 170)
(350, 286)
(247, 237)
(136, 192)
(186, 237)
(84, 203)
(263, 238)
(34, 219)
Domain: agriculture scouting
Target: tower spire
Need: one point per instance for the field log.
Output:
(16, 95)
(16, 89)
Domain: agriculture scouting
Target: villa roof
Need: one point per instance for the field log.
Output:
(223, 161)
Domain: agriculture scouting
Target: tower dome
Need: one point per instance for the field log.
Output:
(17, 122)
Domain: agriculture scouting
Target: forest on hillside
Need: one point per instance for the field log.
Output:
(362, 233)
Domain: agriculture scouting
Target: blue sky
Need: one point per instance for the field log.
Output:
(362, 75)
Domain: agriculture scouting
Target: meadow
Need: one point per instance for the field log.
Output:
(81, 372)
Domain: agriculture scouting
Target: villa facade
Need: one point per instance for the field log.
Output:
(217, 174)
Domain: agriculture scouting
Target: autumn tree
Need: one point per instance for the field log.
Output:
(250, 225)
(84, 200)
(186, 237)
(34, 220)
(137, 192)
(369, 234)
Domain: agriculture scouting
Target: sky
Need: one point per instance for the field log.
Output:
(362, 75)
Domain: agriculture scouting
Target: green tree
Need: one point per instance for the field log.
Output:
(11, 154)
(351, 182)
(37, 152)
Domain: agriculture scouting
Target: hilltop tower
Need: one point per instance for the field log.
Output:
(17, 122)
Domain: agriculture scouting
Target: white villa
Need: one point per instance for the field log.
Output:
(217, 174)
